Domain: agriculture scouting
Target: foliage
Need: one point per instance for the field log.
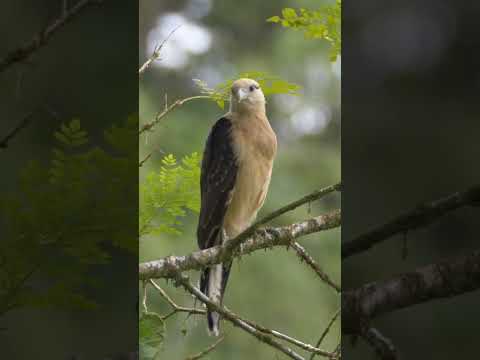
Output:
(324, 23)
(65, 210)
(151, 328)
(270, 85)
(166, 194)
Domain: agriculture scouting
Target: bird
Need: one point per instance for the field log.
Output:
(235, 176)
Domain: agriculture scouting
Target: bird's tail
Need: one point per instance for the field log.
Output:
(213, 283)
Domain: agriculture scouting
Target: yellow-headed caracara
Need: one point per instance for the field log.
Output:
(235, 175)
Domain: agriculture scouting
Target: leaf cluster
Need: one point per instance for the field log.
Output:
(323, 23)
(270, 85)
(167, 194)
(151, 329)
(68, 215)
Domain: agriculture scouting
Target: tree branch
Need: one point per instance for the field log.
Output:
(168, 109)
(24, 52)
(15, 131)
(176, 308)
(169, 266)
(156, 52)
(383, 346)
(234, 243)
(263, 335)
(435, 281)
(325, 332)
(206, 351)
(421, 216)
(307, 347)
(304, 256)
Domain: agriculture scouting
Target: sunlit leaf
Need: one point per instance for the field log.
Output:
(324, 24)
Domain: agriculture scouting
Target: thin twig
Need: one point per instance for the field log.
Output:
(421, 216)
(206, 351)
(20, 126)
(326, 331)
(170, 265)
(144, 299)
(38, 41)
(310, 348)
(140, 164)
(175, 306)
(229, 316)
(302, 253)
(162, 114)
(156, 52)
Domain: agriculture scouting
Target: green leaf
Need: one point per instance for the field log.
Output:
(151, 330)
(62, 138)
(270, 85)
(168, 194)
(289, 13)
(323, 23)
(75, 125)
(66, 204)
(274, 19)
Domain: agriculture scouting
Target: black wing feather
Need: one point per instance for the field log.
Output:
(217, 180)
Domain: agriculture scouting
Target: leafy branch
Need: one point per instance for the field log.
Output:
(324, 23)
(37, 225)
(173, 267)
(169, 192)
(246, 241)
(270, 85)
(166, 194)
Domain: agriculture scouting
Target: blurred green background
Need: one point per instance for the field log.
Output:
(216, 41)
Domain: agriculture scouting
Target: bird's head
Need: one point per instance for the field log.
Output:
(247, 95)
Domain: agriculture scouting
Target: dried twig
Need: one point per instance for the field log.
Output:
(24, 52)
(168, 109)
(209, 349)
(310, 348)
(302, 253)
(20, 126)
(140, 164)
(156, 52)
(175, 306)
(326, 331)
(144, 297)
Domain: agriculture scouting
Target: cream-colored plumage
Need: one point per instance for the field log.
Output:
(255, 146)
(236, 174)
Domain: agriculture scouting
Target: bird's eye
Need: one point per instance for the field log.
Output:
(252, 87)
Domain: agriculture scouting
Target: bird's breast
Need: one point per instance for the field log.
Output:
(255, 155)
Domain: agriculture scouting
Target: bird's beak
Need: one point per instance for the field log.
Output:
(242, 94)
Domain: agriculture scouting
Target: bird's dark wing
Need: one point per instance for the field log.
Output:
(217, 180)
